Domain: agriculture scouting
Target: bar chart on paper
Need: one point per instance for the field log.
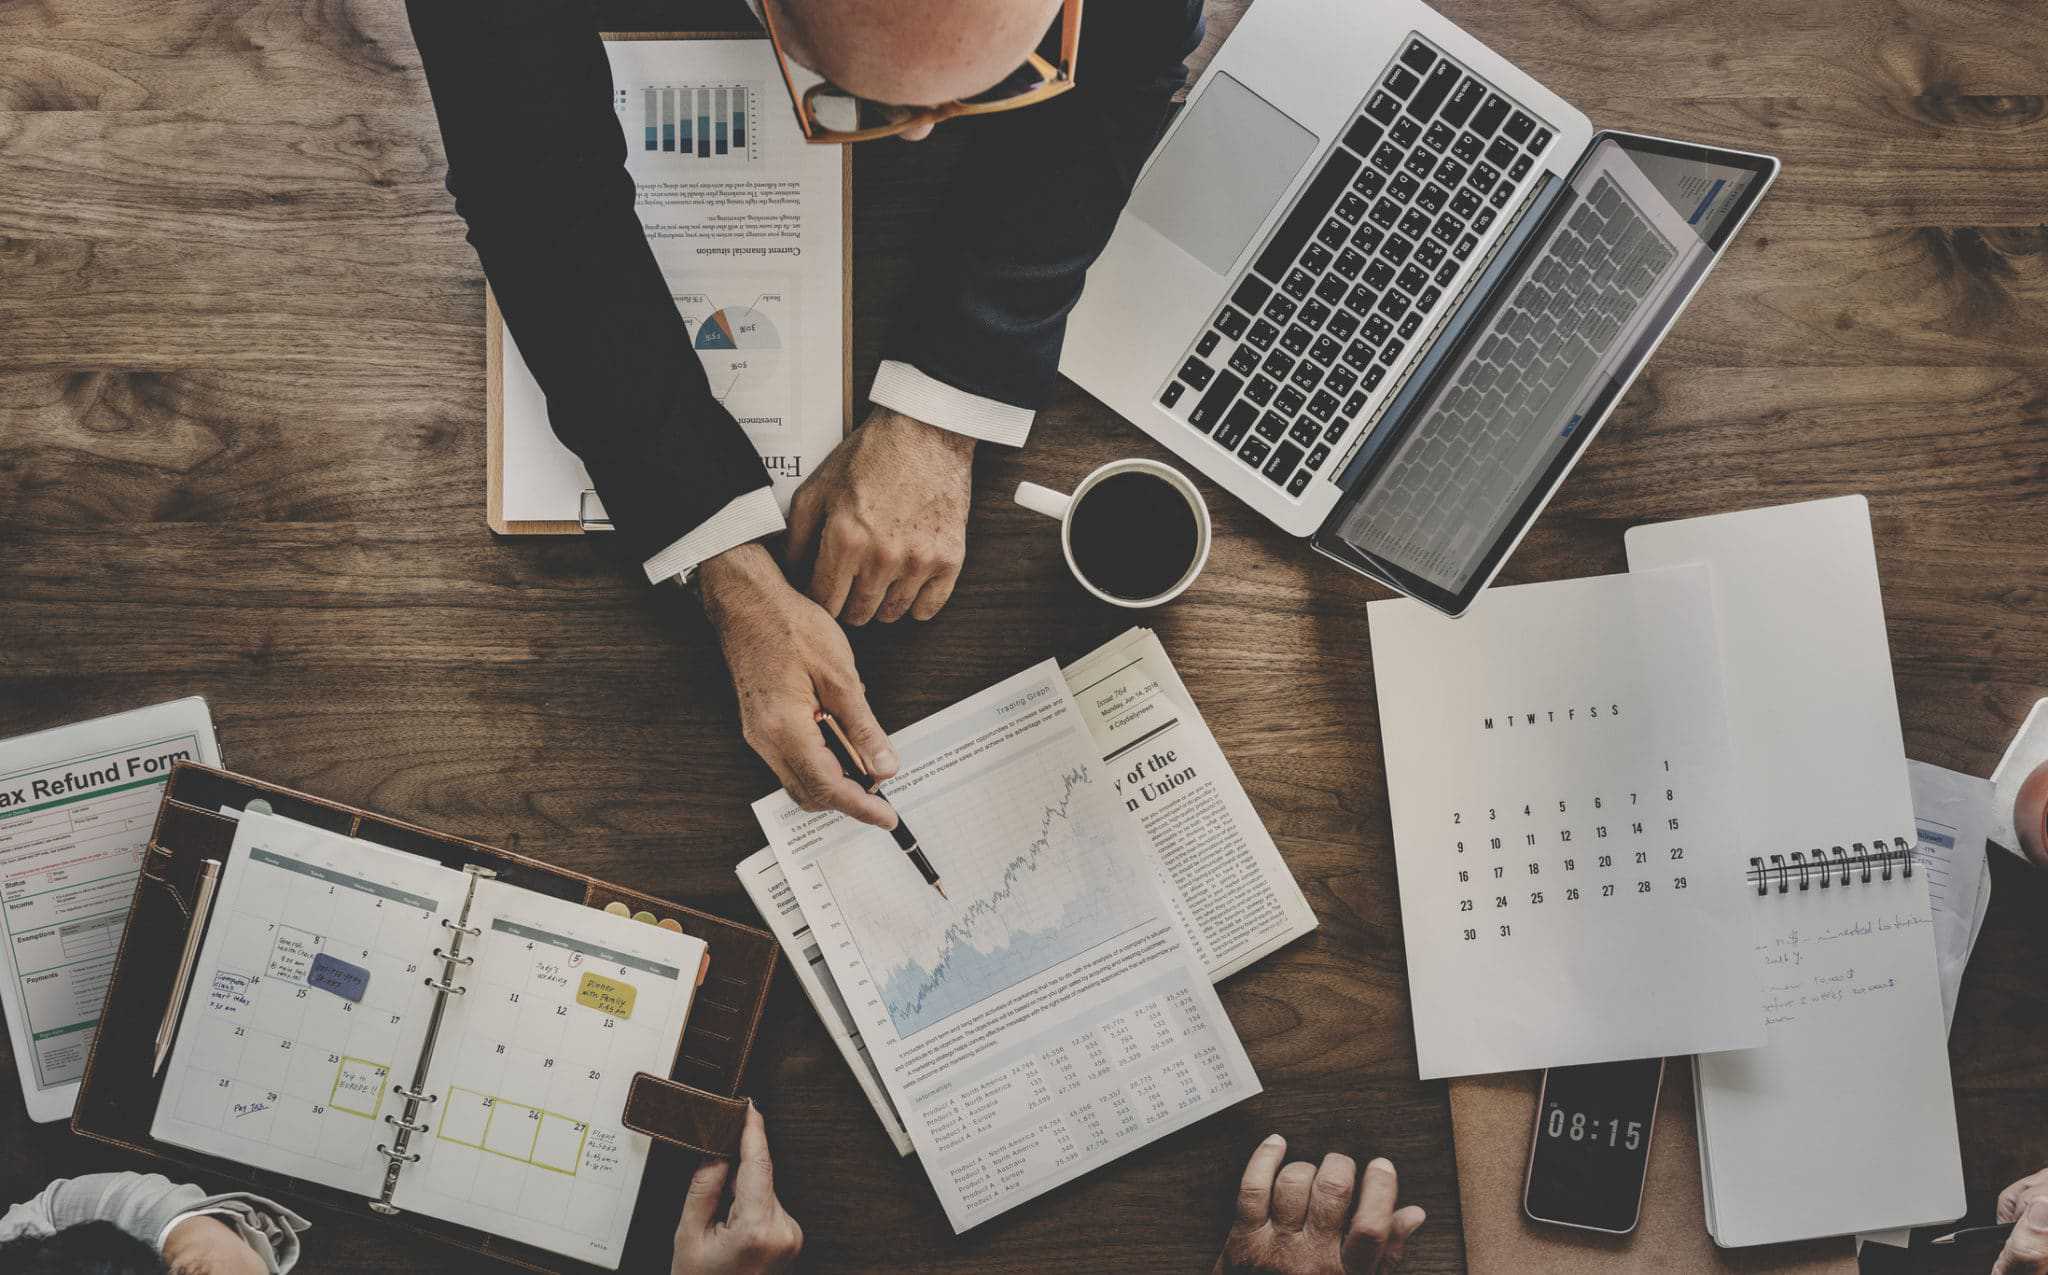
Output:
(695, 122)
(1033, 881)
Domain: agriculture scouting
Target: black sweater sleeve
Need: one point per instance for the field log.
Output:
(1033, 203)
(536, 162)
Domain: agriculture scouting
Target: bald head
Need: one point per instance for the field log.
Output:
(913, 52)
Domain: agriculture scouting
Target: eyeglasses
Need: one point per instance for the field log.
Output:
(830, 114)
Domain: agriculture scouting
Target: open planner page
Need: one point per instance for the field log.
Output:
(307, 1003)
(1559, 772)
(1048, 1012)
(563, 1004)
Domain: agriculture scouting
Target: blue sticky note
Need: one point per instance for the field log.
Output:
(330, 975)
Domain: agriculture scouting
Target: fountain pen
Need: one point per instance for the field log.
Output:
(856, 768)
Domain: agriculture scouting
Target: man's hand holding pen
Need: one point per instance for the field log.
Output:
(857, 769)
(789, 659)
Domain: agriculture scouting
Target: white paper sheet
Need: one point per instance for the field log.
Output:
(1213, 857)
(1049, 1015)
(1221, 871)
(1845, 1120)
(76, 808)
(1952, 813)
(1558, 770)
(749, 235)
(768, 886)
(2029, 748)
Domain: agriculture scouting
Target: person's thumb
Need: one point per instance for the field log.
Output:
(849, 703)
(2026, 1249)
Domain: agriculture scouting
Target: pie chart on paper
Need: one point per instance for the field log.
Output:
(737, 327)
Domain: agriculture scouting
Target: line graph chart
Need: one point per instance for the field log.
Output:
(1032, 852)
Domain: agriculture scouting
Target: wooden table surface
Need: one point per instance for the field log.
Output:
(242, 456)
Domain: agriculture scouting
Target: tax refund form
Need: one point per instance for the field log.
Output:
(76, 807)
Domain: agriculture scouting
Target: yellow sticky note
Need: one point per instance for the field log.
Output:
(606, 995)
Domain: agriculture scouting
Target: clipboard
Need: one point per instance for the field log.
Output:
(696, 1107)
(590, 514)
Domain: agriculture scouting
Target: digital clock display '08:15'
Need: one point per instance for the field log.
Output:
(1592, 1144)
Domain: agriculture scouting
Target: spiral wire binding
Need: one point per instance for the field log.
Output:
(1832, 866)
(408, 1123)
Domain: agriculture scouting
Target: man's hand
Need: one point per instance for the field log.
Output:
(756, 1237)
(2025, 1204)
(787, 659)
(884, 520)
(1292, 1221)
(209, 1246)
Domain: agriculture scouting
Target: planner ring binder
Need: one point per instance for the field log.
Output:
(690, 1105)
(408, 1122)
(1832, 867)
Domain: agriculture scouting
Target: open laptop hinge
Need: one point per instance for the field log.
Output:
(1436, 329)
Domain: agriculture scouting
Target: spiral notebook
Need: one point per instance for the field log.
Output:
(1845, 1120)
(436, 1040)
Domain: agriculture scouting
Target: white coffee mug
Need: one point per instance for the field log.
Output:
(1053, 505)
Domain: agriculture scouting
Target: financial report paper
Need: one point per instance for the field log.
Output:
(747, 222)
(1049, 1012)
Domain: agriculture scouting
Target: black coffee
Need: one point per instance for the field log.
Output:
(1134, 535)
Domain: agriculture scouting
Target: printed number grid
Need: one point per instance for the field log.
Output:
(531, 1089)
(273, 1061)
(1520, 863)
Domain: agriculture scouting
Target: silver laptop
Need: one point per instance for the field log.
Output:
(1384, 287)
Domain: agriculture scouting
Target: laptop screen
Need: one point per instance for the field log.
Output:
(1533, 361)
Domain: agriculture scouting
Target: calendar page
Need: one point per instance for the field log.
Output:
(563, 1004)
(1560, 778)
(308, 1003)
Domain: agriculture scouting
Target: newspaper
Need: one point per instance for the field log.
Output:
(1220, 870)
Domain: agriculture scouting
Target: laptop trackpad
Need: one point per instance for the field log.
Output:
(1230, 159)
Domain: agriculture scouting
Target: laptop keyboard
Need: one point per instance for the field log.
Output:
(1362, 262)
(1488, 438)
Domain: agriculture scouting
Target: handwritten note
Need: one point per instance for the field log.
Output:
(606, 995)
(1807, 972)
(358, 1086)
(230, 995)
(292, 953)
(331, 974)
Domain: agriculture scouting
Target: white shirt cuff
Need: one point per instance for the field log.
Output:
(744, 518)
(164, 1235)
(902, 388)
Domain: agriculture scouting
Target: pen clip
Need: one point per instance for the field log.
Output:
(843, 751)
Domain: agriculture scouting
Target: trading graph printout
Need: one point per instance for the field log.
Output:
(1046, 1014)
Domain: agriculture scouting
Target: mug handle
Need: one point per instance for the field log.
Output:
(1044, 500)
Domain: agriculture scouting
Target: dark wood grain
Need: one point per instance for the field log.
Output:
(241, 455)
